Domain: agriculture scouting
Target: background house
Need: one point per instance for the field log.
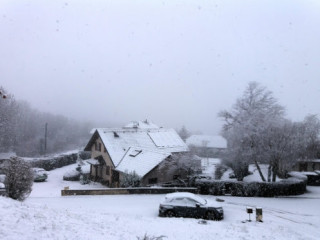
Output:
(310, 165)
(140, 147)
(207, 146)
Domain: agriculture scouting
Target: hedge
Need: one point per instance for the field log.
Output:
(49, 164)
(291, 186)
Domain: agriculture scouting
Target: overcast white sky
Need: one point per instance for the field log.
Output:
(174, 62)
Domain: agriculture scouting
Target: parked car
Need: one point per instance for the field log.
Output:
(198, 178)
(189, 205)
(39, 174)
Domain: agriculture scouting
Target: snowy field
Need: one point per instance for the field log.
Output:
(47, 215)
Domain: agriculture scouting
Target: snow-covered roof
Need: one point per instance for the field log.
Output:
(146, 124)
(207, 141)
(141, 160)
(93, 161)
(118, 141)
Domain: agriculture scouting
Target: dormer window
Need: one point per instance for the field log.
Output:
(115, 134)
(135, 153)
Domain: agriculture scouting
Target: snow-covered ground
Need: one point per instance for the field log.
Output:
(209, 166)
(47, 215)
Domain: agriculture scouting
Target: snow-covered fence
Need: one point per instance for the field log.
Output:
(116, 191)
(292, 186)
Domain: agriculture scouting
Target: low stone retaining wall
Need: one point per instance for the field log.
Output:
(116, 191)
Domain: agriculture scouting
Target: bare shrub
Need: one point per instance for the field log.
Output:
(19, 179)
(146, 237)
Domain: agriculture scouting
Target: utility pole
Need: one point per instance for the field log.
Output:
(45, 138)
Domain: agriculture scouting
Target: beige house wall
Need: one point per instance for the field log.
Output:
(101, 171)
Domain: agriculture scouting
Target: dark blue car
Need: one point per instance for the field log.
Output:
(189, 205)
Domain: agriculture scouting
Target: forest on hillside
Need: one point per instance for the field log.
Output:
(23, 129)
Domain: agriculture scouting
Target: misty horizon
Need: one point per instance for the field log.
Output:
(172, 62)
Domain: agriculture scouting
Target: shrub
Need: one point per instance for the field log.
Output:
(72, 175)
(291, 186)
(83, 177)
(19, 179)
(130, 180)
(84, 155)
(219, 171)
(146, 237)
(49, 164)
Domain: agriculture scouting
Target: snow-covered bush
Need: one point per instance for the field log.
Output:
(80, 173)
(72, 175)
(49, 164)
(286, 187)
(131, 179)
(83, 177)
(19, 179)
(298, 175)
(219, 171)
(84, 155)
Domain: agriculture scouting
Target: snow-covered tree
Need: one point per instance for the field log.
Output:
(8, 112)
(182, 164)
(19, 179)
(311, 127)
(244, 125)
(184, 133)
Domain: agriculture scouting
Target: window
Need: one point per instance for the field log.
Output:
(175, 177)
(190, 202)
(108, 170)
(99, 149)
(135, 153)
(152, 180)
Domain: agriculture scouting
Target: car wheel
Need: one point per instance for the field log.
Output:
(170, 214)
(211, 216)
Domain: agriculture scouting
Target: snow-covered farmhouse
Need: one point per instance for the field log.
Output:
(140, 147)
(206, 145)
